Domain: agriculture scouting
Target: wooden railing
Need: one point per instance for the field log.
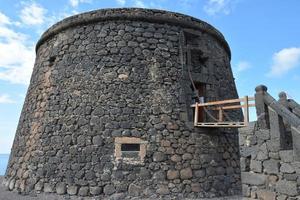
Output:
(221, 107)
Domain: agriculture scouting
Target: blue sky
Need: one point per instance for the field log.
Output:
(264, 36)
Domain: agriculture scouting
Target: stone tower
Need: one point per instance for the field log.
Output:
(108, 109)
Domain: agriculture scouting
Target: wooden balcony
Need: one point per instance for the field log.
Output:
(221, 107)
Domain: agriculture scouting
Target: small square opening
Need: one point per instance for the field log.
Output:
(130, 147)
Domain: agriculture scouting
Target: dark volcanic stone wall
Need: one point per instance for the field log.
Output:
(119, 73)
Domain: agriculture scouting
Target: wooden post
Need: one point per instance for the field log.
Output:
(261, 107)
(196, 114)
(246, 110)
(220, 115)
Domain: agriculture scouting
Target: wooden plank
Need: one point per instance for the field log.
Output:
(219, 102)
(221, 123)
(230, 107)
(220, 115)
(227, 107)
(229, 101)
(246, 110)
(196, 114)
(222, 126)
(251, 98)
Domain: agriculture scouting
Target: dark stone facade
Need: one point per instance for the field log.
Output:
(122, 75)
(269, 149)
(267, 172)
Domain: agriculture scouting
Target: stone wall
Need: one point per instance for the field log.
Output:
(268, 173)
(100, 82)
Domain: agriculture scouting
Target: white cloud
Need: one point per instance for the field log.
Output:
(4, 98)
(75, 3)
(213, 7)
(121, 2)
(139, 3)
(284, 61)
(33, 14)
(4, 19)
(242, 66)
(16, 56)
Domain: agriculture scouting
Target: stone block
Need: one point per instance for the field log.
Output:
(296, 143)
(282, 197)
(263, 134)
(287, 187)
(176, 158)
(263, 152)
(159, 156)
(248, 151)
(253, 178)
(296, 166)
(286, 155)
(272, 180)
(266, 195)
(159, 176)
(108, 189)
(61, 188)
(187, 156)
(186, 173)
(38, 186)
(172, 174)
(256, 166)
(83, 191)
(287, 168)
(11, 184)
(196, 187)
(72, 190)
(97, 140)
(290, 177)
(199, 173)
(271, 166)
(95, 190)
(134, 190)
(118, 196)
(163, 190)
(246, 190)
(48, 188)
(274, 155)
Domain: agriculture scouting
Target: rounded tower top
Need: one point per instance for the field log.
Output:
(138, 14)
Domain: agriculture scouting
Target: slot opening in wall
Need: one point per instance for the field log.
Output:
(130, 147)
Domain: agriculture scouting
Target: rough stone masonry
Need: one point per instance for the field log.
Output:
(108, 109)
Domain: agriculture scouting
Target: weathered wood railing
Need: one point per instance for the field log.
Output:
(274, 115)
(221, 107)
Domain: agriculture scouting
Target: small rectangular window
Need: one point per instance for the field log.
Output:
(130, 150)
(130, 147)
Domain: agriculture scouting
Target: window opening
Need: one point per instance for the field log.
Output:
(130, 147)
(199, 97)
(130, 150)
